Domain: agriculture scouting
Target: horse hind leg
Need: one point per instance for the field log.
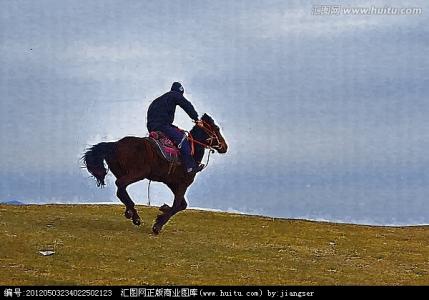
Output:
(122, 194)
(130, 211)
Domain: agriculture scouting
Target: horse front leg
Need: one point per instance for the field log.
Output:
(167, 212)
(174, 188)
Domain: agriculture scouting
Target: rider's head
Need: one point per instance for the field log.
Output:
(177, 87)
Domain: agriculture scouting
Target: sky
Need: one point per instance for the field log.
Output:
(325, 115)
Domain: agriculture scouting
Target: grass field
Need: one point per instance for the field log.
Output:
(96, 245)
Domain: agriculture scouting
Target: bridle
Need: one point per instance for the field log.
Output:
(212, 137)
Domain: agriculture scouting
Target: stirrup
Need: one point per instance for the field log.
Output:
(195, 170)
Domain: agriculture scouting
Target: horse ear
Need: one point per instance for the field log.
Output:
(207, 118)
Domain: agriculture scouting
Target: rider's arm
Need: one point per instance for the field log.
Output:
(187, 107)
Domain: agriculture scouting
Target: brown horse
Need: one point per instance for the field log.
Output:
(132, 159)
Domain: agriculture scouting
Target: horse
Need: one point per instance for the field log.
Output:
(132, 159)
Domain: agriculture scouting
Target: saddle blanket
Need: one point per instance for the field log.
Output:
(165, 146)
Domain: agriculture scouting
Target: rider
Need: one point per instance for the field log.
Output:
(160, 117)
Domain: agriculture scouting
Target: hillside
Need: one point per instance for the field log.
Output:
(96, 245)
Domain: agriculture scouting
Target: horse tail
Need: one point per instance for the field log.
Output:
(93, 160)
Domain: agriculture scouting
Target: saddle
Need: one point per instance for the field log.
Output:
(165, 147)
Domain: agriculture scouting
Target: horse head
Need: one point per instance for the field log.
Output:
(209, 133)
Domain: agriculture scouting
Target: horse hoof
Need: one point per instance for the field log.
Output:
(128, 214)
(136, 222)
(156, 229)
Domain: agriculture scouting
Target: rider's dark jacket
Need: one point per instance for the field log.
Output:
(161, 110)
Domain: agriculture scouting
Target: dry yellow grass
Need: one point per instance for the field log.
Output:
(96, 245)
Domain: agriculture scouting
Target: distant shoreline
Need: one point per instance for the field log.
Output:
(337, 221)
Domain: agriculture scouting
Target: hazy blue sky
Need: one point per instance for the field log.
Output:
(326, 116)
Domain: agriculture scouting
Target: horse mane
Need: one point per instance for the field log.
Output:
(199, 134)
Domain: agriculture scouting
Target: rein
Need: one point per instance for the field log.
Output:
(210, 133)
(207, 129)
